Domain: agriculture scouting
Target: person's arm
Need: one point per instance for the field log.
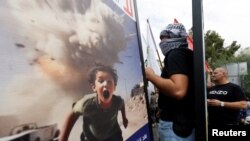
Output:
(124, 117)
(175, 87)
(231, 105)
(68, 125)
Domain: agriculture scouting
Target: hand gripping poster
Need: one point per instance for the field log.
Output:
(71, 70)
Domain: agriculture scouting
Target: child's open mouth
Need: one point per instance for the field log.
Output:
(106, 94)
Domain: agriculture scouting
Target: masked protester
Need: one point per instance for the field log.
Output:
(176, 90)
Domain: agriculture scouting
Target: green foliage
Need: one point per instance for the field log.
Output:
(245, 79)
(216, 53)
(245, 83)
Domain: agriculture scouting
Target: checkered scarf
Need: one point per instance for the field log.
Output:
(176, 37)
(170, 44)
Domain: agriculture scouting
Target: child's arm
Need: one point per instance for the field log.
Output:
(68, 125)
(124, 118)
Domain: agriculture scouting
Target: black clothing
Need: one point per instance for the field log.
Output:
(99, 124)
(180, 112)
(229, 93)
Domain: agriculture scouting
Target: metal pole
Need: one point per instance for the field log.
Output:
(155, 44)
(201, 130)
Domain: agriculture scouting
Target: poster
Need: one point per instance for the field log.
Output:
(47, 50)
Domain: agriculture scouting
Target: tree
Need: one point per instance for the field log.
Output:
(216, 53)
(244, 56)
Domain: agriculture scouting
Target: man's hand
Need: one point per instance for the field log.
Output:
(213, 102)
(149, 72)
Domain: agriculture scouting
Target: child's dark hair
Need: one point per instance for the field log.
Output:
(104, 68)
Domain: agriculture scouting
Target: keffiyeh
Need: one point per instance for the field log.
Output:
(173, 36)
(169, 44)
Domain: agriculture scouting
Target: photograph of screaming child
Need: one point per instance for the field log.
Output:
(99, 110)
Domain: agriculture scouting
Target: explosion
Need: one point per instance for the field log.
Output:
(61, 41)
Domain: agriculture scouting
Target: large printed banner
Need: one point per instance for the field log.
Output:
(127, 6)
(48, 48)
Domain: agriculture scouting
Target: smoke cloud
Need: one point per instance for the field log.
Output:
(61, 41)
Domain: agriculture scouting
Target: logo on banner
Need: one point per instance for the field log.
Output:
(127, 6)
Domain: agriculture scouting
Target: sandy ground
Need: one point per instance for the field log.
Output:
(135, 109)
